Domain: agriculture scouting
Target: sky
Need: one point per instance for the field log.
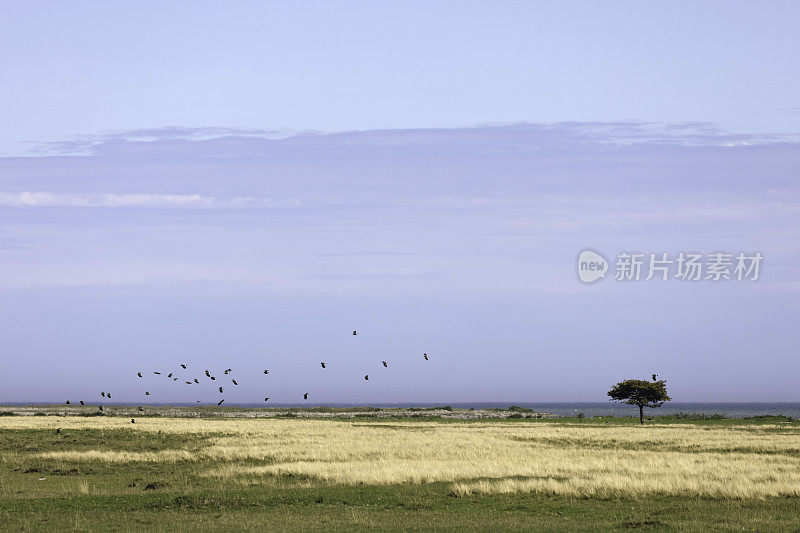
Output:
(243, 184)
(86, 67)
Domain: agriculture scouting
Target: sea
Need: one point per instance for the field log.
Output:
(727, 409)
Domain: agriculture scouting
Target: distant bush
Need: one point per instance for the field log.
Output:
(7, 413)
(768, 418)
(692, 416)
(92, 413)
(519, 409)
(580, 416)
(327, 409)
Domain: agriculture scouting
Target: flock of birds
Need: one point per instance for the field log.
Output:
(210, 377)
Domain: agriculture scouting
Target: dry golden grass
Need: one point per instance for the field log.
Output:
(581, 459)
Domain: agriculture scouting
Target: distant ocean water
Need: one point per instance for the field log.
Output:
(728, 409)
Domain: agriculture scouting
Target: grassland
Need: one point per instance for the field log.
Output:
(379, 471)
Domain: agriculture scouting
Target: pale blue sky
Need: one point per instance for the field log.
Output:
(249, 252)
(87, 67)
(166, 212)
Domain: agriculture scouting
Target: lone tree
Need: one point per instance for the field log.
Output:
(640, 392)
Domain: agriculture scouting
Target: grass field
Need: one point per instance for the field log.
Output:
(289, 472)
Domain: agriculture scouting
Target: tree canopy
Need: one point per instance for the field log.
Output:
(640, 393)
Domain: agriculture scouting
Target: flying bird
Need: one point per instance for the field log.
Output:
(103, 394)
(323, 365)
(355, 333)
(82, 403)
(157, 373)
(174, 379)
(366, 377)
(266, 371)
(100, 407)
(140, 408)
(108, 394)
(228, 371)
(195, 380)
(208, 374)
(655, 376)
(183, 366)
(188, 382)
(68, 402)
(425, 356)
(169, 375)
(220, 390)
(266, 399)
(139, 374)
(234, 382)
(305, 396)
(133, 421)
(385, 364)
(220, 402)
(213, 378)
(147, 393)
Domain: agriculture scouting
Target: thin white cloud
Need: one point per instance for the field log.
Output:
(115, 200)
(518, 137)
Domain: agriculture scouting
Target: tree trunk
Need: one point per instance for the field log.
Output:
(641, 414)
